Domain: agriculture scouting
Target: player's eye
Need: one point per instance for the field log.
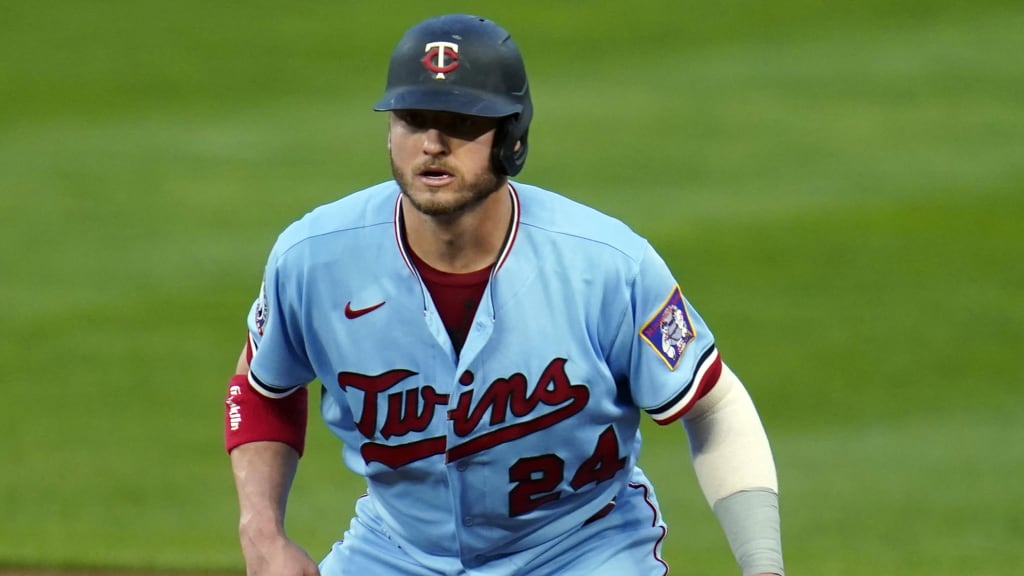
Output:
(465, 123)
(469, 127)
(412, 118)
(455, 125)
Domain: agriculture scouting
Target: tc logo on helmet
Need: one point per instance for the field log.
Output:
(441, 57)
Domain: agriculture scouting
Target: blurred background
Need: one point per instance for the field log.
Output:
(838, 187)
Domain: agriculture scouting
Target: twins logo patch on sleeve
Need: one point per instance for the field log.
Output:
(669, 330)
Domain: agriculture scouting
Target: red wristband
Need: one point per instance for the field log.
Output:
(252, 417)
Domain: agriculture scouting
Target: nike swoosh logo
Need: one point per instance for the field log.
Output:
(352, 313)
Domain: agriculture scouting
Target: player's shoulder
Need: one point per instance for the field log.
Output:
(561, 216)
(370, 207)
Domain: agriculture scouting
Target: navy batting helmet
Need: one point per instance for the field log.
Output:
(468, 65)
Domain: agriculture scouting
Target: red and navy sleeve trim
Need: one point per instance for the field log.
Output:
(269, 390)
(704, 377)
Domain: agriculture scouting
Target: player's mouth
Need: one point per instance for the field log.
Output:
(435, 176)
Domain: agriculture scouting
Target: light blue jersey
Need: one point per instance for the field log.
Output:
(510, 447)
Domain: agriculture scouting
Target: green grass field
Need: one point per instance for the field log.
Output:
(838, 186)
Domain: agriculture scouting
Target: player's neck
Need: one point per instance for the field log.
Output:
(465, 242)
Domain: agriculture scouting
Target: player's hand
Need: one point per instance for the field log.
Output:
(277, 557)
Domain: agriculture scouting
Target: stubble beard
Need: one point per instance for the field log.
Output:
(467, 196)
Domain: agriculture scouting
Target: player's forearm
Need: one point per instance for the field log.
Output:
(736, 471)
(263, 474)
(750, 521)
(728, 443)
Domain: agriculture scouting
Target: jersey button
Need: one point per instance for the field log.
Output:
(467, 521)
(461, 466)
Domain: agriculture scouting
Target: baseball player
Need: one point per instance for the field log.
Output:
(486, 350)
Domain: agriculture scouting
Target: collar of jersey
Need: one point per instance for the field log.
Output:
(510, 238)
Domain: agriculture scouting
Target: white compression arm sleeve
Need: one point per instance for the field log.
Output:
(736, 472)
(728, 443)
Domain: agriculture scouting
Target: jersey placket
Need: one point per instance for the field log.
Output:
(467, 381)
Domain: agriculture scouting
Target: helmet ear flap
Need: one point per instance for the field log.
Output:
(509, 152)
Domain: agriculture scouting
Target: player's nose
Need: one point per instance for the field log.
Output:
(435, 142)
